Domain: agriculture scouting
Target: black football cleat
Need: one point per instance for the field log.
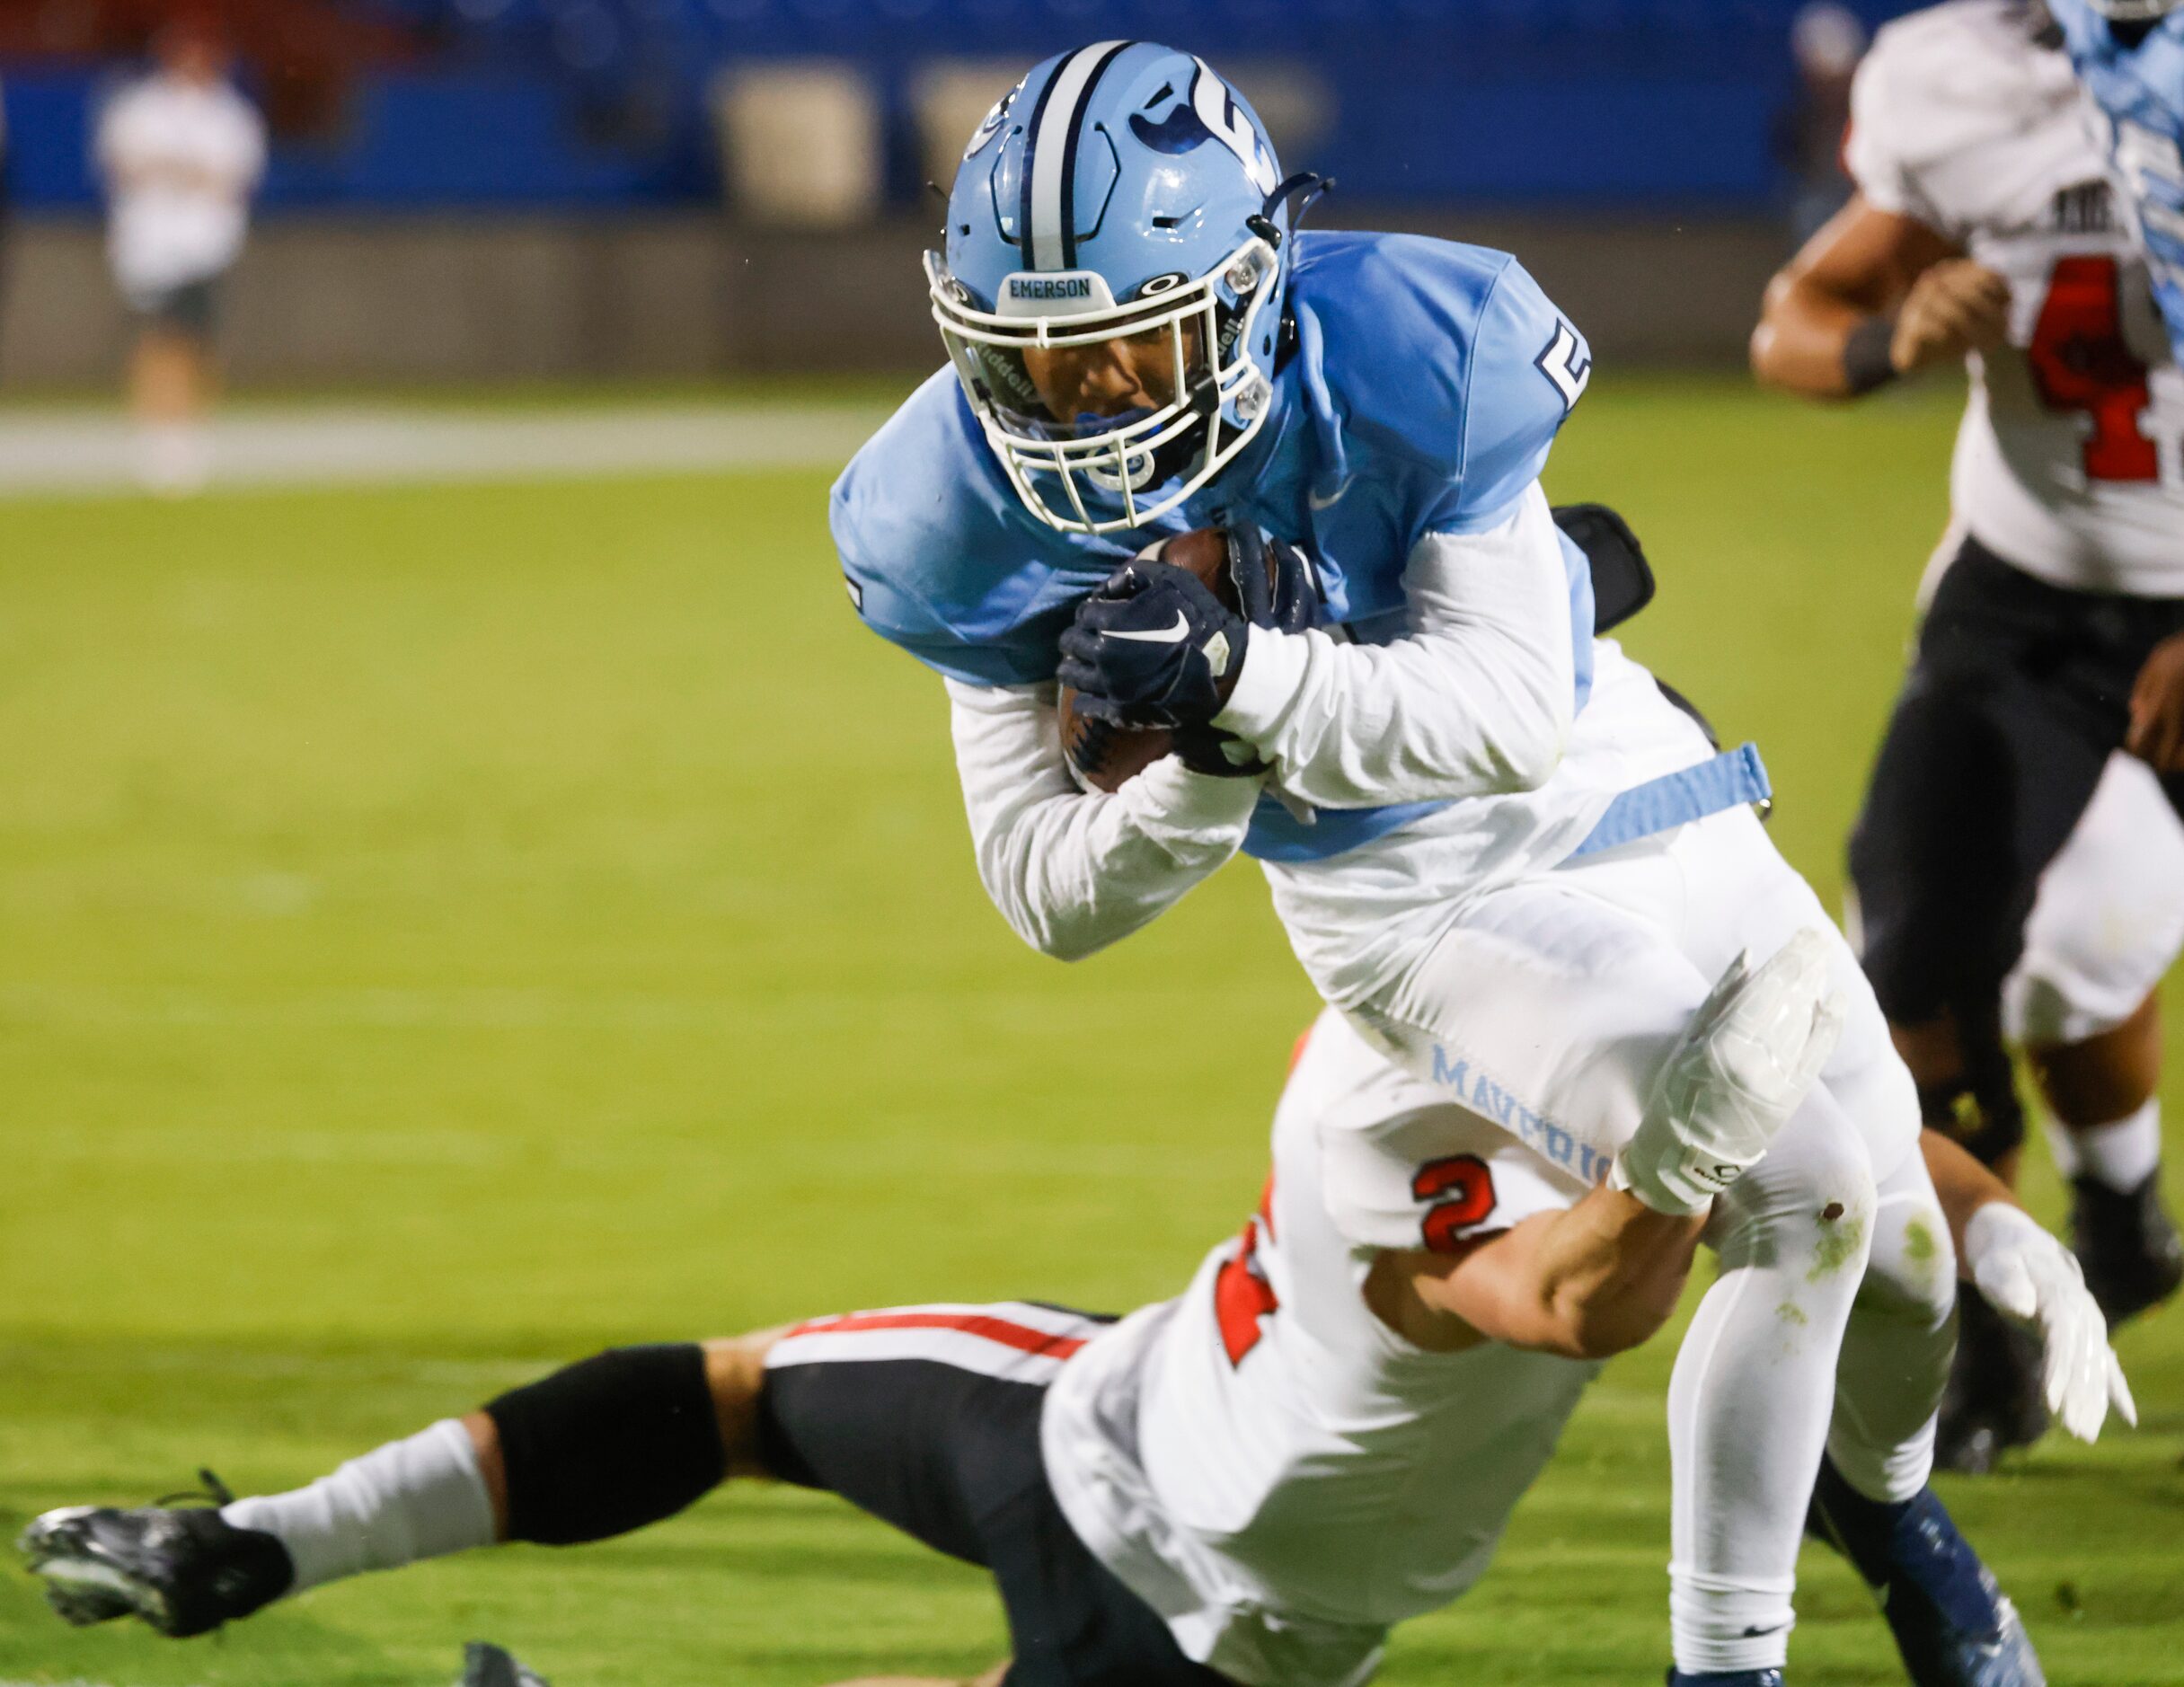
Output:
(485, 1664)
(2127, 1244)
(1953, 1626)
(1992, 1402)
(184, 1570)
(1726, 1678)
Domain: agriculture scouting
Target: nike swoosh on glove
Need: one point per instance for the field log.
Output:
(2035, 1282)
(1153, 648)
(1742, 1068)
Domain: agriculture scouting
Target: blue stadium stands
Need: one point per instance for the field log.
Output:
(525, 104)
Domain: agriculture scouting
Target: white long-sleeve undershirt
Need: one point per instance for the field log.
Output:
(1476, 698)
(1073, 871)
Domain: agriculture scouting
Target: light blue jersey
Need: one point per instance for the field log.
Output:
(1426, 386)
(2139, 91)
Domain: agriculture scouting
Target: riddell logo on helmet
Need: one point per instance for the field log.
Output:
(1040, 288)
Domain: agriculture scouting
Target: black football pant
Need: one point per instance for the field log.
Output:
(2017, 695)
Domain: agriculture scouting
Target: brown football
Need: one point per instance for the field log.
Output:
(1104, 756)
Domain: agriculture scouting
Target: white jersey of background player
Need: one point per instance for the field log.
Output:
(2070, 461)
(1495, 844)
(2015, 872)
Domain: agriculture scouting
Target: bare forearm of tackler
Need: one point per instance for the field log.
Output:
(1587, 1283)
(1860, 265)
(1962, 1185)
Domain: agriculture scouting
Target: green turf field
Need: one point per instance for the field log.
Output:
(442, 932)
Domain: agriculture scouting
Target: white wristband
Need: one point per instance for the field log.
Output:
(1677, 1196)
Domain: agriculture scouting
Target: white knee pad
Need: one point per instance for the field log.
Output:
(1813, 1193)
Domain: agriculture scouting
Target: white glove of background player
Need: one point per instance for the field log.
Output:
(2033, 1280)
(1745, 1062)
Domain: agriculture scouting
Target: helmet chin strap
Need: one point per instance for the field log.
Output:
(1155, 466)
(1173, 458)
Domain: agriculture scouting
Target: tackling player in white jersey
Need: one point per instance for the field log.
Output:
(2019, 864)
(1323, 1435)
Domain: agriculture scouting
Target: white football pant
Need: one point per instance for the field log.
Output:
(1550, 1005)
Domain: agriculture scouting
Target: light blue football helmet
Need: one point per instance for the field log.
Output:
(1121, 201)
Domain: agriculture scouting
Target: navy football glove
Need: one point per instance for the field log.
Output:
(1291, 603)
(1210, 750)
(1153, 648)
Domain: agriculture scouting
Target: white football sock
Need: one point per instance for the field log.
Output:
(417, 1498)
(2120, 1155)
(1750, 1399)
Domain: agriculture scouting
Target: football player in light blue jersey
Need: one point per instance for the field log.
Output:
(1515, 866)
(2129, 54)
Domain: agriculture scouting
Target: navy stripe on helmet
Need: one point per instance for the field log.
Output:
(1069, 154)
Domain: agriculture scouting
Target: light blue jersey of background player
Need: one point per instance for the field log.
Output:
(2137, 84)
